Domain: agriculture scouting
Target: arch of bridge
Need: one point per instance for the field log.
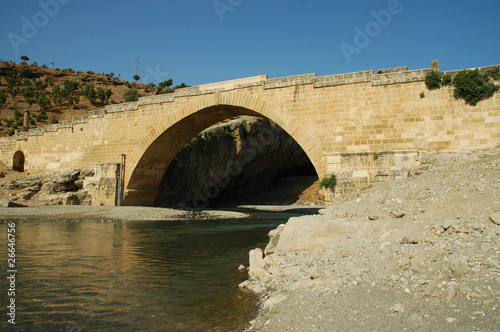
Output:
(150, 159)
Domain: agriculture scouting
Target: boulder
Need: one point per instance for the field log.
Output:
(312, 233)
(257, 264)
(8, 203)
(62, 182)
(274, 236)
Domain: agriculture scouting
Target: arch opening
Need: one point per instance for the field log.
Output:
(18, 161)
(243, 161)
(161, 145)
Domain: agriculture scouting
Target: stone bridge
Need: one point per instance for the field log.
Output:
(365, 124)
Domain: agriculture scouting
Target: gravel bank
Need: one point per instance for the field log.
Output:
(417, 254)
(124, 213)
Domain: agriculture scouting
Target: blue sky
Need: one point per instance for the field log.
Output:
(204, 41)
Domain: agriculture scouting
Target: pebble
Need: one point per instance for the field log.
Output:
(398, 307)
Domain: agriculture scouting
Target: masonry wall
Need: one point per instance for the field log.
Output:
(347, 113)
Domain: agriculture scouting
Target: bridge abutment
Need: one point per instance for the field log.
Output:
(362, 169)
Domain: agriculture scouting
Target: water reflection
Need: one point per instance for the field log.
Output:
(156, 276)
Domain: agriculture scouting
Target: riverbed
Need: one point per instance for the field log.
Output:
(114, 275)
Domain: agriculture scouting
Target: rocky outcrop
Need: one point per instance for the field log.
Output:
(228, 161)
(64, 188)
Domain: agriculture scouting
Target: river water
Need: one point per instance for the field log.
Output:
(126, 276)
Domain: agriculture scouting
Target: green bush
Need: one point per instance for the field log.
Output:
(28, 93)
(470, 85)
(447, 80)
(494, 73)
(329, 182)
(131, 95)
(473, 86)
(3, 97)
(18, 114)
(12, 79)
(433, 80)
(70, 86)
(43, 101)
(167, 90)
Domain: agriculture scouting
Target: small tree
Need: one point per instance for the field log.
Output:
(100, 94)
(108, 94)
(28, 93)
(43, 101)
(12, 79)
(3, 97)
(40, 86)
(433, 80)
(166, 84)
(57, 95)
(13, 92)
(137, 77)
(70, 86)
(89, 92)
(74, 100)
(25, 58)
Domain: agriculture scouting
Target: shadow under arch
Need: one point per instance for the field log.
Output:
(18, 161)
(148, 163)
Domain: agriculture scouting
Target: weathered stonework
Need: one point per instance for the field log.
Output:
(103, 186)
(363, 112)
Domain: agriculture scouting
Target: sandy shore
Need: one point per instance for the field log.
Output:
(123, 213)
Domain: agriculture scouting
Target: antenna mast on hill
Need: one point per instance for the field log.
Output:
(137, 65)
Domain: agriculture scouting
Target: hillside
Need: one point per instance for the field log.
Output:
(14, 78)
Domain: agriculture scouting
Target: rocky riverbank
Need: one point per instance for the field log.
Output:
(420, 253)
